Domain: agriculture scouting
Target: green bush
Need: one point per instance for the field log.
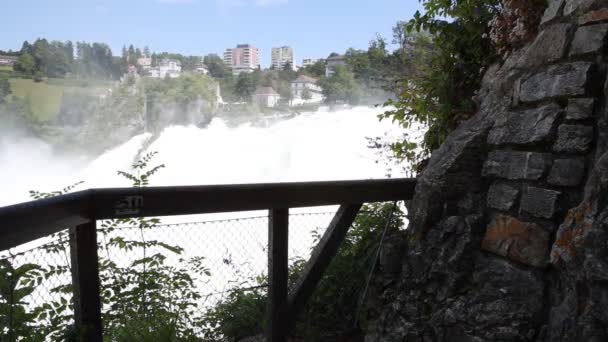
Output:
(332, 310)
(146, 300)
(439, 95)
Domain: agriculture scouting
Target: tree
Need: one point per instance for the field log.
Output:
(147, 52)
(401, 35)
(315, 70)
(337, 304)
(41, 52)
(132, 56)
(246, 84)
(5, 89)
(215, 65)
(25, 64)
(440, 93)
(341, 86)
(69, 51)
(59, 62)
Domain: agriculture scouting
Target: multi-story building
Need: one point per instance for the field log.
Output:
(145, 62)
(282, 56)
(306, 90)
(243, 58)
(167, 67)
(309, 61)
(266, 97)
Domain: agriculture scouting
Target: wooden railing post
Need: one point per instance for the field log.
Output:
(278, 233)
(320, 259)
(85, 282)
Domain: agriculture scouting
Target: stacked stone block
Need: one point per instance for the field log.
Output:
(508, 238)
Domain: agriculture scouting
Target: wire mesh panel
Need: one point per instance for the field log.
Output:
(147, 268)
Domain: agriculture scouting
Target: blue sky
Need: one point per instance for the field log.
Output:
(314, 28)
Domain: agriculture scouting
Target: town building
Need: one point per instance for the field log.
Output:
(145, 62)
(167, 67)
(266, 97)
(243, 58)
(282, 56)
(332, 62)
(306, 90)
(202, 69)
(8, 60)
(309, 61)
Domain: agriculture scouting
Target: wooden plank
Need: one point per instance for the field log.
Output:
(29, 221)
(85, 282)
(25, 222)
(167, 201)
(320, 259)
(278, 271)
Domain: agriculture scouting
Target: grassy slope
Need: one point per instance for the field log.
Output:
(46, 96)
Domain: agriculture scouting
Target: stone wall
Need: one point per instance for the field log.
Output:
(508, 237)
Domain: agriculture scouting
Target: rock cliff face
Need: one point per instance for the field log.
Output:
(508, 237)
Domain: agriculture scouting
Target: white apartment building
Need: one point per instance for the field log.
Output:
(167, 67)
(243, 58)
(309, 61)
(305, 90)
(281, 56)
(145, 62)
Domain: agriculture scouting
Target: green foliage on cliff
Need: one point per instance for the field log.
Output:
(144, 299)
(332, 310)
(341, 86)
(439, 94)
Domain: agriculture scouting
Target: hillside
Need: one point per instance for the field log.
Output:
(45, 97)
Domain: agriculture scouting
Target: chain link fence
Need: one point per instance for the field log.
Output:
(191, 266)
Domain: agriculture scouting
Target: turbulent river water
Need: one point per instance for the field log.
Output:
(324, 145)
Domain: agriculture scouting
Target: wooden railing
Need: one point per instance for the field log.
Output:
(79, 211)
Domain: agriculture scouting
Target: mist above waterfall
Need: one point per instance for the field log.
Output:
(324, 145)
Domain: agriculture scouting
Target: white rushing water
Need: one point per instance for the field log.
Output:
(313, 146)
(310, 147)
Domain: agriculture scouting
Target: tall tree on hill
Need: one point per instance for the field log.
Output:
(341, 87)
(316, 70)
(125, 54)
(57, 63)
(26, 47)
(401, 36)
(132, 56)
(147, 51)
(69, 51)
(25, 64)
(246, 85)
(5, 89)
(216, 66)
(41, 53)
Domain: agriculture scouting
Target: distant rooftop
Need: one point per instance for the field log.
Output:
(305, 79)
(336, 58)
(265, 91)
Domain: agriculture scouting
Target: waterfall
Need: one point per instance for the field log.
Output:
(324, 145)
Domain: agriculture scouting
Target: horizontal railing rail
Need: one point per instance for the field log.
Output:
(21, 223)
(79, 211)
